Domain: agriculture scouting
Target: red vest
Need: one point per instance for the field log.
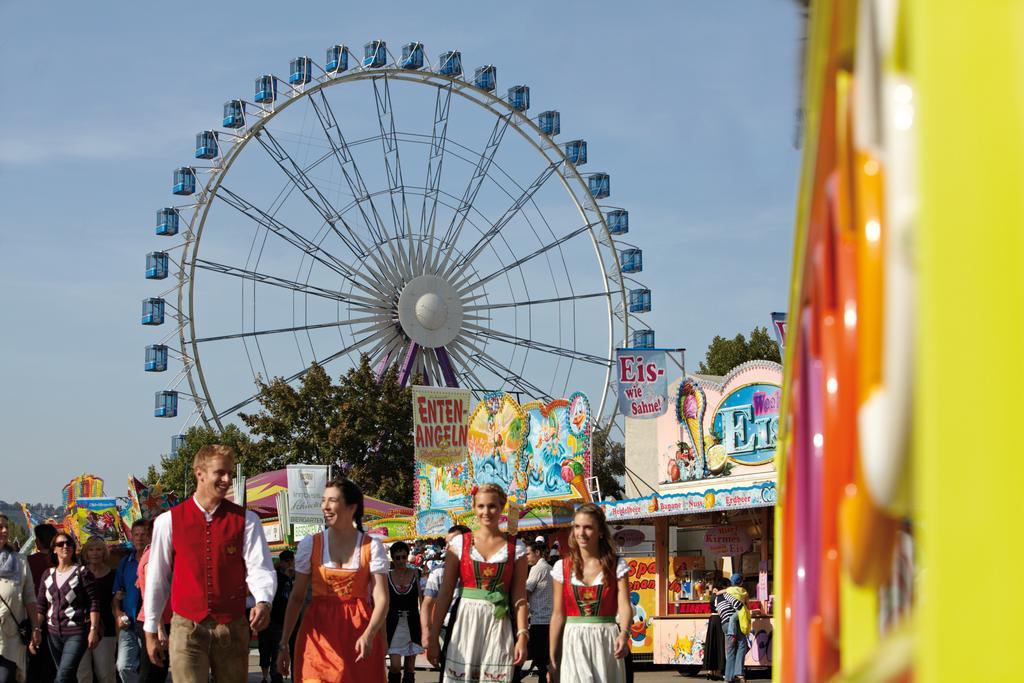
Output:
(588, 601)
(209, 562)
(474, 573)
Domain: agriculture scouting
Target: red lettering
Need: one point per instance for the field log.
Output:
(625, 369)
(652, 372)
(420, 403)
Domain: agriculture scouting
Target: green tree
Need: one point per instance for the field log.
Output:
(362, 427)
(18, 533)
(725, 354)
(295, 423)
(175, 471)
(608, 463)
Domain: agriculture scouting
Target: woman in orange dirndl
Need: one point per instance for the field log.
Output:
(340, 639)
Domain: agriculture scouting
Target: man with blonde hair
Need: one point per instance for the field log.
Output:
(206, 554)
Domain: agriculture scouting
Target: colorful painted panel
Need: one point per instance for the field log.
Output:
(440, 424)
(498, 430)
(82, 486)
(557, 457)
(642, 574)
(760, 494)
(746, 423)
(97, 517)
(681, 641)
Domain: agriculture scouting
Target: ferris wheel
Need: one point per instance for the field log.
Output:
(395, 207)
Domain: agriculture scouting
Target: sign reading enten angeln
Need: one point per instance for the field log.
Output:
(643, 386)
(439, 417)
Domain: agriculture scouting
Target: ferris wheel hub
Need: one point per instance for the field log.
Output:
(430, 311)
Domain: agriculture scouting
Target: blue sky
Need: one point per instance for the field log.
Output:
(689, 105)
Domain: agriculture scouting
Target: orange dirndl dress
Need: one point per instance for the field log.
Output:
(325, 648)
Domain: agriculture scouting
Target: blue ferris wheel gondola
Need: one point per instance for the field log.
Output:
(486, 78)
(519, 97)
(618, 221)
(600, 185)
(234, 114)
(640, 300)
(266, 89)
(167, 222)
(166, 404)
(375, 54)
(451, 63)
(631, 260)
(156, 358)
(300, 71)
(184, 181)
(157, 265)
(576, 152)
(337, 59)
(206, 145)
(550, 123)
(177, 441)
(412, 56)
(643, 339)
(153, 311)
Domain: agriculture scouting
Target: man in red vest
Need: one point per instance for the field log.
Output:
(207, 553)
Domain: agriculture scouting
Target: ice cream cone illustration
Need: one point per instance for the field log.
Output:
(690, 408)
(572, 474)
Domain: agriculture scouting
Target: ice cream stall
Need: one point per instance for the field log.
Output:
(701, 487)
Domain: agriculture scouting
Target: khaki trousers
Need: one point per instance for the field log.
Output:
(197, 649)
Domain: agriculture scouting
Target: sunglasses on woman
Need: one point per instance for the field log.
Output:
(64, 544)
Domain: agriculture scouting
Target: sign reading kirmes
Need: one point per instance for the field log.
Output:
(643, 384)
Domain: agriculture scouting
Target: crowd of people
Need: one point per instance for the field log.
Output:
(200, 582)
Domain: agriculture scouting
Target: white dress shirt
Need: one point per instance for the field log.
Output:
(260, 576)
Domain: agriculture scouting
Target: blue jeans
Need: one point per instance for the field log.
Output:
(67, 652)
(735, 649)
(128, 648)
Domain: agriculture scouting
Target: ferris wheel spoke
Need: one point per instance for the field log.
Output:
(375, 225)
(297, 328)
(298, 375)
(396, 184)
(387, 344)
(467, 375)
(432, 367)
(536, 302)
(347, 163)
(483, 165)
(435, 161)
(369, 286)
(300, 287)
(510, 376)
(465, 287)
(485, 333)
(459, 267)
(297, 175)
(301, 181)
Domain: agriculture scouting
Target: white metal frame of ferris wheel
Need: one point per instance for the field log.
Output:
(403, 264)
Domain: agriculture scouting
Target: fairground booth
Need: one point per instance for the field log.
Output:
(538, 452)
(700, 488)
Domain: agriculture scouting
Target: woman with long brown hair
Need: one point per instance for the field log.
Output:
(67, 602)
(492, 566)
(592, 613)
(340, 639)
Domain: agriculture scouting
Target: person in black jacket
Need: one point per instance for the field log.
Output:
(404, 630)
(270, 637)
